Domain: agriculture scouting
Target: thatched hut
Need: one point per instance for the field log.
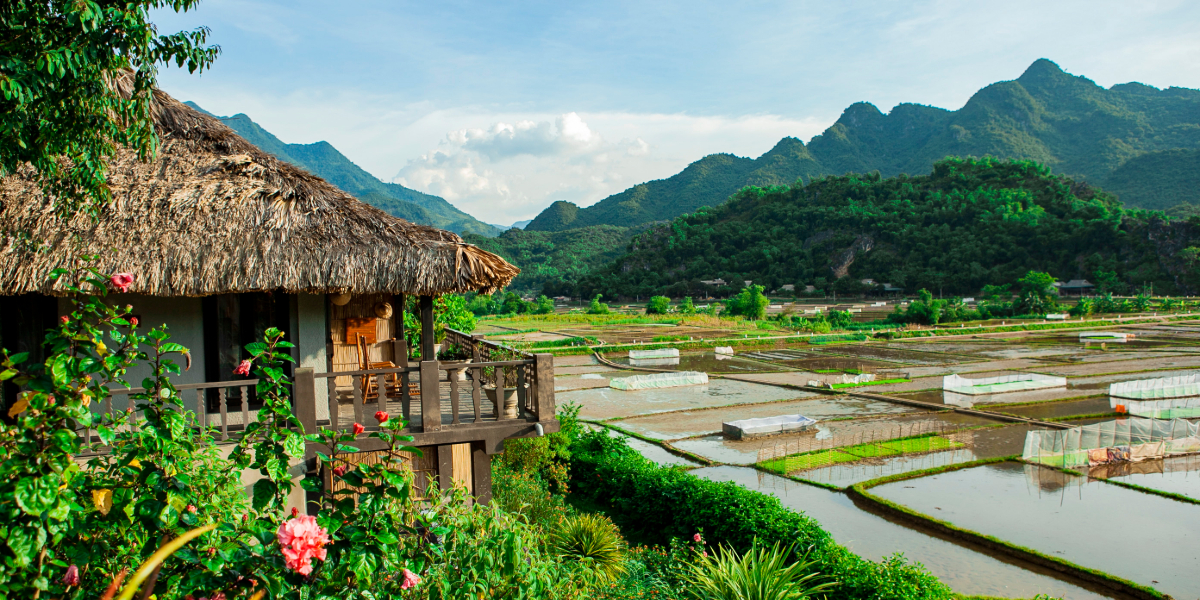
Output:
(224, 240)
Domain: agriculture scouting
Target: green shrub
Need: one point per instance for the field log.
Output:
(687, 307)
(749, 303)
(760, 573)
(658, 305)
(654, 504)
(597, 307)
(593, 543)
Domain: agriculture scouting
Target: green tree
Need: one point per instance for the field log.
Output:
(78, 79)
(749, 303)
(542, 306)
(687, 307)
(658, 305)
(1037, 293)
(597, 307)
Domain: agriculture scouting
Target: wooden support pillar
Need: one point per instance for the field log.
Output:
(445, 454)
(401, 305)
(305, 399)
(427, 335)
(543, 364)
(481, 472)
(431, 397)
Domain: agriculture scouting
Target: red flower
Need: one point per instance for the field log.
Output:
(381, 416)
(65, 319)
(696, 538)
(243, 368)
(410, 579)
(133, 322)
(295, 512)
(339, 470)
(122, 281)
(358, 429)
(191, 508)
(301, 539)
(72, 576)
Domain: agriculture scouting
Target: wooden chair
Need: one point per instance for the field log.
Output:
(370, 385)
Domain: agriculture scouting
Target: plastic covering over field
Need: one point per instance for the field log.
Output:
(1153, 389)
(660, 353)
(1121, 440)
(1003, 383)
(659, 380)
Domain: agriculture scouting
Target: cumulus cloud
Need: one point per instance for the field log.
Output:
(568, 134)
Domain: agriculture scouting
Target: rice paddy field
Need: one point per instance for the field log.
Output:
(902, 428)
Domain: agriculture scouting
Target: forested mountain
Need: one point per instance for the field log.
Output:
(325, 161)
(1103, 136)
(967, 224)
(552, 262)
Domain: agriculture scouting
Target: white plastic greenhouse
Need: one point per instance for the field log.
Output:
(1132, 439)
(659, 353)
(726, 350)
(1003, 383)
(752, 428)
(659, 380)
(1161, 398)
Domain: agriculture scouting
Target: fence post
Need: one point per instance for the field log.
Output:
(543, 365)
(304, 402)
(431, 397)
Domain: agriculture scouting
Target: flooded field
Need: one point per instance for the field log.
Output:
(1058, 517)
(706, 361)
(606, 403)
(963, 568)
(848, 474)
(1055, 410)
(895, 354)
(1176, 474)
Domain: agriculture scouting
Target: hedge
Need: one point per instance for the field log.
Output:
(653, 504)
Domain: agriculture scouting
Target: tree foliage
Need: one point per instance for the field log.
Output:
(77, 80)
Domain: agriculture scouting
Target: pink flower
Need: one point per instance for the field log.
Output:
(121, 281)
(704, 554)
(358, 429)
(64, 319)
(133, 322)
(339, 470)
(72, 576)
(381, 416)
(301, 539)
(243, 368)
(410, 579)
(696, 538)
(191, 508)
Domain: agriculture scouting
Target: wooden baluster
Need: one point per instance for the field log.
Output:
(335, 420)
(201, 418)
(245, 391)
(431, 396)
(521, 395)
(356, 387)
(475, 400)
(224, 414)
(452, 375)
(498, 375)
(381, 383)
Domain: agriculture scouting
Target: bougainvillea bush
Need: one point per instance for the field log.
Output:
(70, 526)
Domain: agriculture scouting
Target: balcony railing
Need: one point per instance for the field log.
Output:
(454, 401)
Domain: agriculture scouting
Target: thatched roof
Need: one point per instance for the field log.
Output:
(214, 214)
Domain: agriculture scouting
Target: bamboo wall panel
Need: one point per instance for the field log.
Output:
(462, 466)
(345, 352)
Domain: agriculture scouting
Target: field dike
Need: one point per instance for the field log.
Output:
(1110, 582)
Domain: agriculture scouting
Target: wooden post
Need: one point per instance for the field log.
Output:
(481, 472)
(400, 352)
(445, 466)
(431, 401)
(427, 334)
(305, 403)
(543, 364)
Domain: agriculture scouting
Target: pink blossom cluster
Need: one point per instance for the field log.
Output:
(301, 539)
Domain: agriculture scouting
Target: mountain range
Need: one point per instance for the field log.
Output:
(325, 161)
(1138, 142)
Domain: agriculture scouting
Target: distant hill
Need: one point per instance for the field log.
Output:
(1066, 122)
(967, 224)
(552, 262)
(325, 161)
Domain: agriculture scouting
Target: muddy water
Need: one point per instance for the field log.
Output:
(707, 362)
(1145, 538)
(1052, 410)
(895, 355)
(965, 570)
(982, 401)
(1177, 474)
(606, 403)
(689, 423)
(845, 475)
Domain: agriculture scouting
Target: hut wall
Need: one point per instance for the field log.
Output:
(310, 343)
(184, 319)
(345, 351)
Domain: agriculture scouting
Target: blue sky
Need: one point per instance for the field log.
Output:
(503, 108)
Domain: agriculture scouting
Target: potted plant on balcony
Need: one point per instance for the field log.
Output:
(454, 354)
(492, 386)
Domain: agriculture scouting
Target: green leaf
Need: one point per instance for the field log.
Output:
(35, 495)
(294, 446)
(25, 543)
(264, 493)
(172, 347)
